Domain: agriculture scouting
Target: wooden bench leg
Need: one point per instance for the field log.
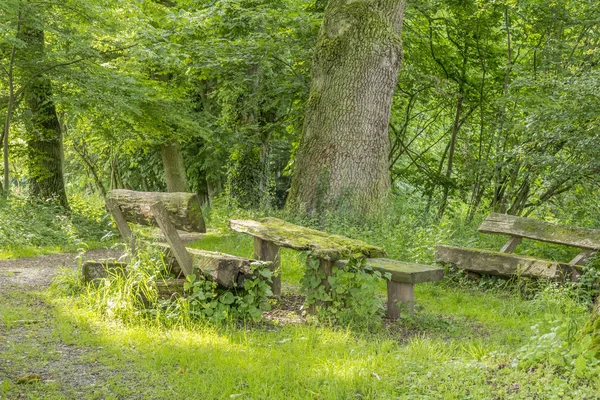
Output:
(168, 229)
(403, 293)
(511, 245)
(267, 251)
(124, 230)
(582, 257)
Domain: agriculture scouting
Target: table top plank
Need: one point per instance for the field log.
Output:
(322, 244)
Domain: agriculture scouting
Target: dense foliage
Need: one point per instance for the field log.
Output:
(495, 106)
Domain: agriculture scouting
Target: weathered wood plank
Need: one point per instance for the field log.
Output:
(186, 237)
(540, 230)
(321, 244)
(267, 251)
(169, 288)
(502, 264)
(183, 258)
(227, 270)
(402, 272)
(184, 208)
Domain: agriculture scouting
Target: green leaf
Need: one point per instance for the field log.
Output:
(227, 298)
(580, 365)
(266, 273)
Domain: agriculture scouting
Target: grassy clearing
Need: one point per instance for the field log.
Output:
(462, 343)
(459, 349)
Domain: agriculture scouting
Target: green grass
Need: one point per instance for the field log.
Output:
(33, 251)
(459, 345)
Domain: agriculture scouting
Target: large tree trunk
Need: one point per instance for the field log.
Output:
(345, 145)
(174, 167)
(44, 137)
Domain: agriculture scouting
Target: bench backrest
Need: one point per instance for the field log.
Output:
(184, 209)
(540, 230)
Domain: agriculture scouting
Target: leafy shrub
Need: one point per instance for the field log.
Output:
(561, 344)
(562, 348)
(133, 295)
(207, 301)
(349, 293)
(588, 285)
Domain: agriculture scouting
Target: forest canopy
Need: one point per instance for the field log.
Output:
(495, 104)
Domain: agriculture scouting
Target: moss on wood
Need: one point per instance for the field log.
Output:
(403, 272)
(502, 264)
(322, 244)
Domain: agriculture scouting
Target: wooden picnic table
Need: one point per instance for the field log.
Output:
(270, 234)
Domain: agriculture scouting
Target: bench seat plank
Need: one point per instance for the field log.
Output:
(403, 272)
(502, 264)
(540, 230)
(321, 244)
(227, 270)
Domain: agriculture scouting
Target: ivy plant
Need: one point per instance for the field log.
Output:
(347, 296)
(208, 301)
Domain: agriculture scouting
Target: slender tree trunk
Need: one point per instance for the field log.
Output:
(450, 166)
(345, 144)
(10, 109)
(82, 153)
(174, 167)
(44, 137)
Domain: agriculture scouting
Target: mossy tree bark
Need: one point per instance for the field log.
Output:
(345, 145)
(44, 137)
(174, 167)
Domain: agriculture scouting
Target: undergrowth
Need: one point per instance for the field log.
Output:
(132, 295)
(28, 228)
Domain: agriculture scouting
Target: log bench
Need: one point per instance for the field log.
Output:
(170, 212)
(270, 234)
(505, 264)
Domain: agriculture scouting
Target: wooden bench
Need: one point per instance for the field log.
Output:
(503, 263)
(270, 234)
(401, 285)
(170, 211)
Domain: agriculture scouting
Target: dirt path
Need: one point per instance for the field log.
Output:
(34, 361)
(36, 273)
